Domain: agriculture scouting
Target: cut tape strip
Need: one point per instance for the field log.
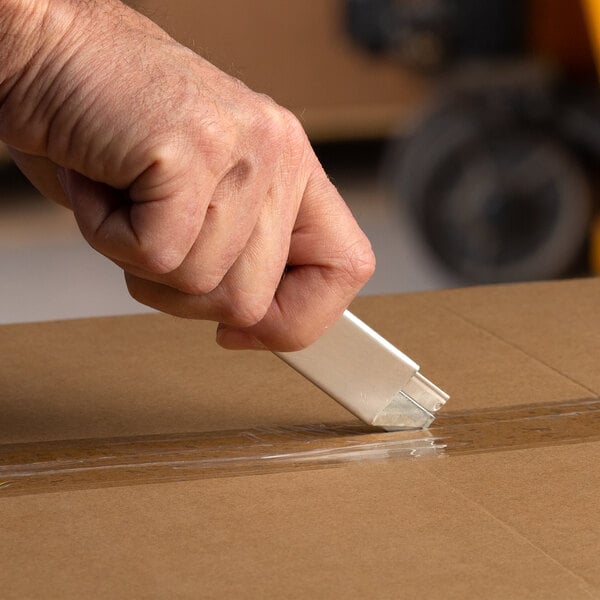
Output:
(96, 463)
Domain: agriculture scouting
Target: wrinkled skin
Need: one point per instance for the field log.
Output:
(207, 194)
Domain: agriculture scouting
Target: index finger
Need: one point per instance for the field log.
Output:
(330, 260)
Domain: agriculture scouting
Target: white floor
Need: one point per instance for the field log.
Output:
(48, 272)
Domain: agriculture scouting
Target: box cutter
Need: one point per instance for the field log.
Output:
(368, 376)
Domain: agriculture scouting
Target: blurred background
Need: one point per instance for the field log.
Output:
(464, 135)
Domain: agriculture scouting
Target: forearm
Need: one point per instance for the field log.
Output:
(22, 27)
(31, 27)
(48, 48)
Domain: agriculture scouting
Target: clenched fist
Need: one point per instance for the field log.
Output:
(207, 194)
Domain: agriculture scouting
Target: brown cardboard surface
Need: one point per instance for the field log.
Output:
(504, 507)
(535, 310)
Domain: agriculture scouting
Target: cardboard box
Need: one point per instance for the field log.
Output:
(138, 460)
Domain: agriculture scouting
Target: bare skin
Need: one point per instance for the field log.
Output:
(204, 192)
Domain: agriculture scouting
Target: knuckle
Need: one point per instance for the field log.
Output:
(293, 129)
(165, 152)
(163, 240)
(271, 118)
(269, 127)
(358, 263)
(204, 139)
(246, 310)
(200, 285)
(207, 142)
(164, 157)
(267, 100)
(280, 127)
(160, 260)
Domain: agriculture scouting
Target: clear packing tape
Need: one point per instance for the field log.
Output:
(55, 466)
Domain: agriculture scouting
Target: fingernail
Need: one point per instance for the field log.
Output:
(235, 339)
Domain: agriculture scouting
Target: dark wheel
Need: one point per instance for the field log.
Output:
(494, 202)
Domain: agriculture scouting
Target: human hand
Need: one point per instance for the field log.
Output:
(203, 191)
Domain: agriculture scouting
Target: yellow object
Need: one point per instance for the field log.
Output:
(592, 13)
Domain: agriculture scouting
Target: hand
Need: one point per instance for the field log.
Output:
(207, 194)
